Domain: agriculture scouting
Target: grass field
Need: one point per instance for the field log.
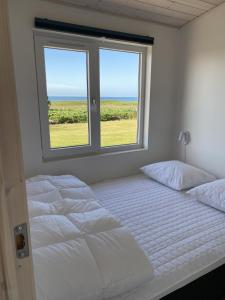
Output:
(77, 112)
(83, 104)
(112, 133)
(122, 130)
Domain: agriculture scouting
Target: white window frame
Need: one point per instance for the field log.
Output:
(43, 38)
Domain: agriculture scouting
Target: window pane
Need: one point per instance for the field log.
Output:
(66, 78)
(119, 90)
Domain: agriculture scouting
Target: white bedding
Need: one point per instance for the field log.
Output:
(80, 250)
(183, 238)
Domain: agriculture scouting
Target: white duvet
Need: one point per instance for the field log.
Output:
(80, 250)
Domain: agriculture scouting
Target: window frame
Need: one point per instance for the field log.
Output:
(43, 38)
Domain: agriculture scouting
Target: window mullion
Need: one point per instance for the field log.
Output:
(94, 97)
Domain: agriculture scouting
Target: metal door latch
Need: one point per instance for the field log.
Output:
(21, 241)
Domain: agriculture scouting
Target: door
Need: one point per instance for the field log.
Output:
(16, 274)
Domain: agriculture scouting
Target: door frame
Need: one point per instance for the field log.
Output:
(16, 275)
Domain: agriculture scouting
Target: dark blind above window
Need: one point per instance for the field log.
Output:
(91, 31)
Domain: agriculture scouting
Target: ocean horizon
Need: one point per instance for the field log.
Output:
(75, 98)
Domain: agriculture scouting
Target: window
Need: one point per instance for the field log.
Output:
(66, 78)
(91, 94)
(119, 94)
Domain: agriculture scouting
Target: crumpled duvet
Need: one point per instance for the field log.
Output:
(80, 250)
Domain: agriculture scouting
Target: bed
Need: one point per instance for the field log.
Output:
(183, 241)
(183, 238)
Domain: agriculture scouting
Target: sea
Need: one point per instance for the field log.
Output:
(75, 98)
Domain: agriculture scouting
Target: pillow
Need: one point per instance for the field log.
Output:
(212, 194)
(177, 175)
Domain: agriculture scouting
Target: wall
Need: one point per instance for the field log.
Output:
(201, 97)
(93, 168)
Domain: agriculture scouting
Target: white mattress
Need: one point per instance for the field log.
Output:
(182, 237)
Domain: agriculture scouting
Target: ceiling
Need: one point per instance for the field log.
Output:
(170, 12)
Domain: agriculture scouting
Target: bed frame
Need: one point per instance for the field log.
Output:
(211, 286)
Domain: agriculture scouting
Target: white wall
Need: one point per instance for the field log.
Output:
(93, 168)
(201, 99)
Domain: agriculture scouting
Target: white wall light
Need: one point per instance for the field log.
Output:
(184, 138)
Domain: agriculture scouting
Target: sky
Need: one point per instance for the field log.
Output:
(66, 73)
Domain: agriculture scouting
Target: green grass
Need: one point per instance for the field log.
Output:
(112, 133)
(76, 111)
(69, 126)
(109, 103)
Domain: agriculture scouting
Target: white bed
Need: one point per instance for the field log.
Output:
(183, 238)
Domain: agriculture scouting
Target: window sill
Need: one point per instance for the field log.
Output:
(101, 153)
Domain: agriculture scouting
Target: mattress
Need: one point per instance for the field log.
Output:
(183, 238)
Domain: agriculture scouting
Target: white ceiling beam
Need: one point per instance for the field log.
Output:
(195, 3)
(169, 12)
(158, 10)
(214, 2)
(187, 9)
(178, 6)
(151, 17)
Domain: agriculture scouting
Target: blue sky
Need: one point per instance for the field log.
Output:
(66, 73)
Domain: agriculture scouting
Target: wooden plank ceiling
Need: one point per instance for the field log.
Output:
(170, 12)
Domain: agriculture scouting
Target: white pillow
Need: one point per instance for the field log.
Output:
(212, 194)
(177, 175)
